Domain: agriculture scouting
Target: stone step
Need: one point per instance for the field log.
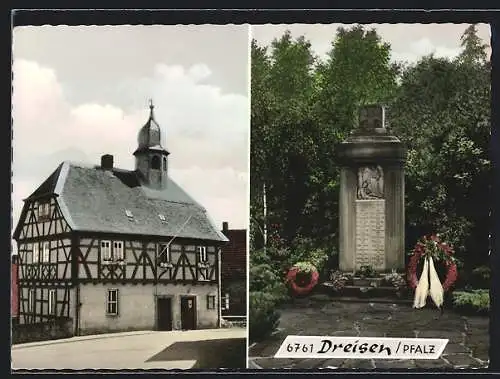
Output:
(365, 293)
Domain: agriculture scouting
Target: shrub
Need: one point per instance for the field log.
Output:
(263, 316)
(304, 249)
(262, 276)
(475, 301)
(264, 279)
(258, 257)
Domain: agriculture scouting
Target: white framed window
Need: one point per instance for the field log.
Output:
(225, 302)
(46, 252)
(36, 252)
(210, 301)
(112, 302)
(31, 301)
(52, 302)
(202, 253)
(164, 253)
(106, 250)
(118, 250)
(44, 210)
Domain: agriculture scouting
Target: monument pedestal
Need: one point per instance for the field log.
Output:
(372, 197)
(371, 206)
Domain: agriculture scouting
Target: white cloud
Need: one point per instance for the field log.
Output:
(206, 133)
(424, 47)
(199, 72)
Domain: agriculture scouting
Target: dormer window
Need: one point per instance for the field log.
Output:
(129, 213)
(162, 218)
(43, 210)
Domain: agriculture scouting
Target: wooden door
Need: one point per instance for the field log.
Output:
(188, 312)
(164, 313)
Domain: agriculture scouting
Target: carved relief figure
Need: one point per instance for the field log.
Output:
(370, 183)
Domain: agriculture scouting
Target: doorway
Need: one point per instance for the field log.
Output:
(188, 312)
(164, 309)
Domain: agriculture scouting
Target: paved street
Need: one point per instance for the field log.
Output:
(137, 350)
(467, 347)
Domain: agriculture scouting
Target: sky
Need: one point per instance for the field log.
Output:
(409, 42)
(83, 91)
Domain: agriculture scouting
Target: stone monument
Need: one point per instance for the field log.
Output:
(372, 220)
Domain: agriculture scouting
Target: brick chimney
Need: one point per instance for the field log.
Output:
(107, 162)
(225, 227)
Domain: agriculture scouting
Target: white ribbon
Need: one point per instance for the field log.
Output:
(428, 287)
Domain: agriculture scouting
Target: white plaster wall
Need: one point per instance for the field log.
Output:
(137, 306)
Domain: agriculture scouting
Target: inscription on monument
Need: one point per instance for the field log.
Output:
(370, 234)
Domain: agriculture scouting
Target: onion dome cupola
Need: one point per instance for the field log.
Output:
(151, 158)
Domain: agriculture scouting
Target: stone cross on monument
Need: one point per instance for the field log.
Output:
(372, 220)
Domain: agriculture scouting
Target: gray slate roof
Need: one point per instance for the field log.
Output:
(92, 199)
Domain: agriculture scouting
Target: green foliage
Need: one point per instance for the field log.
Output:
(261, 277)
(267, 291)
(262, 315)
(476, 301)
(305, 267)
(442, 113)
(304, 250)
(303, 106)
(268, 279)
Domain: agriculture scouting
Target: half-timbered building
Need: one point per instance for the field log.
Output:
(113, 250)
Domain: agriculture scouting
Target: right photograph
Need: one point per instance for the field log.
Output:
(370, 184)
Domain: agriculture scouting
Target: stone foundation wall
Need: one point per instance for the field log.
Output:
(44, 331)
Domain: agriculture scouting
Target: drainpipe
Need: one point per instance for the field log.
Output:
(77, 310)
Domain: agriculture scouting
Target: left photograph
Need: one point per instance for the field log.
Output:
(130, 197)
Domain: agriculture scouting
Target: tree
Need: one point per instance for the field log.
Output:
(474, 51)
(442, 113)
(301, 108)
(357, 72)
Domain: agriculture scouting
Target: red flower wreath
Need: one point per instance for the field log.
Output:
(442, 251)
(300, 289)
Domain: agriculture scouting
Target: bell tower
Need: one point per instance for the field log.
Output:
(151, 158)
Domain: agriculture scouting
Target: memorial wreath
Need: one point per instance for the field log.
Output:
(302, 278)
(425, 252)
